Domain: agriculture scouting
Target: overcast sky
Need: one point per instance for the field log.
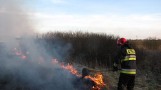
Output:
(126, 18)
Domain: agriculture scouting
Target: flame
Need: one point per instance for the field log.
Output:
(19, 53)
(97, 78)
(71, 69)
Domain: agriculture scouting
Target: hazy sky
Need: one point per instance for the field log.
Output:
(126, 18)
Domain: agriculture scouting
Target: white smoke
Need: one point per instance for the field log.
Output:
(27, 74)
(13, 20)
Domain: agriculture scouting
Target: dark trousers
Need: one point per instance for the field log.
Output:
(126, 81)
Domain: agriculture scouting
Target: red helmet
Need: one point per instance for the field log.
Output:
(121, 41)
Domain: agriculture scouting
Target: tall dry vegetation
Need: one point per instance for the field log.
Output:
(87, 48)
(98, 50)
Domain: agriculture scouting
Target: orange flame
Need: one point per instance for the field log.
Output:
(19, 53)
(97, 78)
(71, 69)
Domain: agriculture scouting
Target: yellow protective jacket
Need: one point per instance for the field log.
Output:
(126, 56)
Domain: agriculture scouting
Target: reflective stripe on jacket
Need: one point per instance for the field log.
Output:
(130, 55)
(128, 62)
(128, 71)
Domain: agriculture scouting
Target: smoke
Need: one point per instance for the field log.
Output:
(35, 72)
(14, 21)
(25, 64)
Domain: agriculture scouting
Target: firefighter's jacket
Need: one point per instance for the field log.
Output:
(126, 56)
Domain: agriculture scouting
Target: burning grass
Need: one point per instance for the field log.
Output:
(96, 80)
(44, 74)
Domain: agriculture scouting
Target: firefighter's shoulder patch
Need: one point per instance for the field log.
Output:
(130, 51)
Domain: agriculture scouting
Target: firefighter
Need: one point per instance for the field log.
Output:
(126, 59)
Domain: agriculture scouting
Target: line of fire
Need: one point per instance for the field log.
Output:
(87, 80)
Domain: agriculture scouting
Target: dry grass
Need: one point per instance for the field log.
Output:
(97, 51)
